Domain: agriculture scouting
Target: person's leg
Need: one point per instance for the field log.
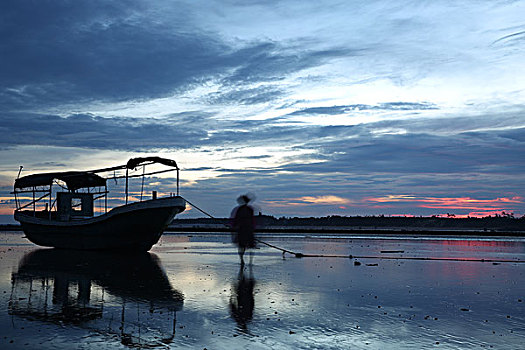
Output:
(241, 254)
(251, 256)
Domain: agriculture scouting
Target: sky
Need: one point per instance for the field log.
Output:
(318, 108)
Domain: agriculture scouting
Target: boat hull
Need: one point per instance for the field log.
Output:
(136, 226)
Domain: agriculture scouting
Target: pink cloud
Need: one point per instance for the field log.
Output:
(309, 200)
(480, 207)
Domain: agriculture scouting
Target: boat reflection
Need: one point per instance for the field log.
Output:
(120, 296)
(242, 301)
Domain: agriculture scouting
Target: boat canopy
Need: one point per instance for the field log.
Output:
(73, 179)
(89, 178)
(134, 162)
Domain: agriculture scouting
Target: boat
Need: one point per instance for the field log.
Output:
(63, 213)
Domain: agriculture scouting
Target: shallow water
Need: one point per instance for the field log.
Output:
(189, 292)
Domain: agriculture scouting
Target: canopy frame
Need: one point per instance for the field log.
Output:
(75, 180)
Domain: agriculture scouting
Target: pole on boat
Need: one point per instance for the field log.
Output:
(177, 181)
(17, 203)
(127, 185)
(143, 175)
(50, 199)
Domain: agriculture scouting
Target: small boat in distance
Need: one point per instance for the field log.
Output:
(61, 212)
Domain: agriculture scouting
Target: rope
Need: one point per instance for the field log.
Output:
(301, 255)
(297, 255)
(199, 209)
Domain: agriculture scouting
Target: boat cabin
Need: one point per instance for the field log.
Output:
(71, 205)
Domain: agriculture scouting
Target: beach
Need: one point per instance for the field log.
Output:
(189, 291)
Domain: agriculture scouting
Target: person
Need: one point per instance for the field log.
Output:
(243, 224)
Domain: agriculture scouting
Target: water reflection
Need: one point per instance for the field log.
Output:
(120, 296)
(242, 301)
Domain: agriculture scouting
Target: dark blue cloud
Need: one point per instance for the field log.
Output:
(88, 131)
(487, 152)
(248, 96)
(389, 106)
(270, 61)
(57, 52)
(510, 39)
(188, 130)
(516, 135)
(262, 156)
(352, 149)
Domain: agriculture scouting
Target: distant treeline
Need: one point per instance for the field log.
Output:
(500, 223)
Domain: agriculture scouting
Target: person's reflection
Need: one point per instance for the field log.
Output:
(242, 301)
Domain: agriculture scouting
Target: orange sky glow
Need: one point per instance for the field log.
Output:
(475, 207)
(479, 207)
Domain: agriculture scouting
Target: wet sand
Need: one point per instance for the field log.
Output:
(189, 292)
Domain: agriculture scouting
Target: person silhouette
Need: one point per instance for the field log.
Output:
(242, 301)
(243, 224)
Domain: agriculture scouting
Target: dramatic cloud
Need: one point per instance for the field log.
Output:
(309, 200)
(392, 106)
(58, 52)
(83, 130)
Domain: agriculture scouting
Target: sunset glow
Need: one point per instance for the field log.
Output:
(480, 207)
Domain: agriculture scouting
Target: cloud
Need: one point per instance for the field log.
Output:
(269, 61)
(188, 130)
(248, 96)
(337, 149)
(511, 38)
(59, 51)
(88, 131)
(359, 149)
(454, 203)
(388, 106)
(474, 206)
(308, 200)
(55, 54)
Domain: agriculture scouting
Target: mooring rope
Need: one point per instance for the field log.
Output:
(301, 255)
(199, 209)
